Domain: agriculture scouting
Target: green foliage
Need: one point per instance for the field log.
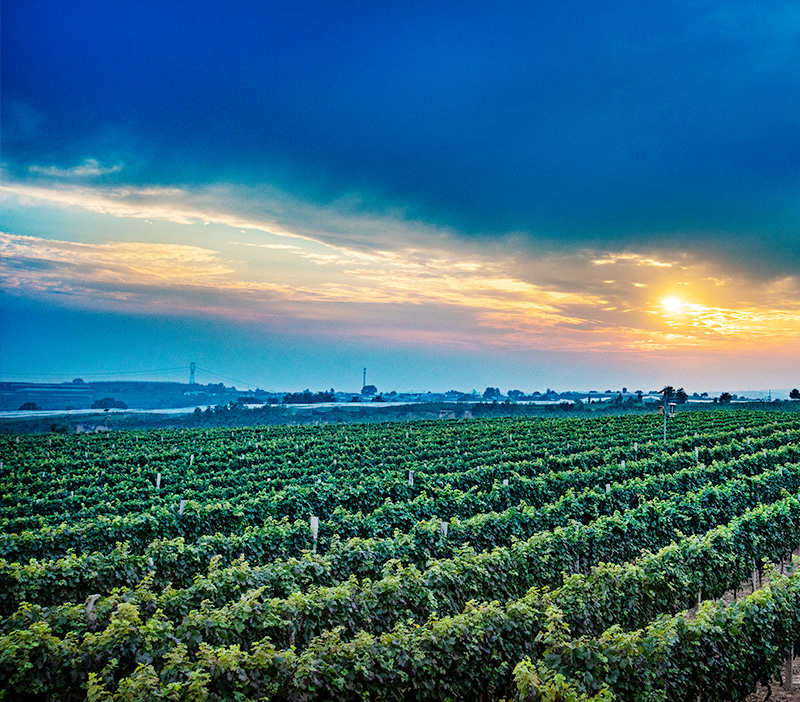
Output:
(571, 550)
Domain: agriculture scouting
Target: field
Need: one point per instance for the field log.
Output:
(552, 559)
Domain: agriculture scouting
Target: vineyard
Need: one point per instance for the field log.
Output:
(529, 559)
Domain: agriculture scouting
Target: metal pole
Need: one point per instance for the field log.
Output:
(667, 395)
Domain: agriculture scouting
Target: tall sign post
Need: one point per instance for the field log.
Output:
(667, 393)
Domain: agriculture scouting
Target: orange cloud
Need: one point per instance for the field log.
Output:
(363, 269)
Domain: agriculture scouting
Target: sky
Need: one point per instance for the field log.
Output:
(574, 195)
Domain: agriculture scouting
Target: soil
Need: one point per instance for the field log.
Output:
(779, 694)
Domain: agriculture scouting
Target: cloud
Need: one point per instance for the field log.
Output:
(89, 168)
(362, 270)
(387, 295)
(658, 127)
(36, 263)
(149, 203)
(636, 259)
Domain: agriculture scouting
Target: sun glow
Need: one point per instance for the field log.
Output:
(673, 304)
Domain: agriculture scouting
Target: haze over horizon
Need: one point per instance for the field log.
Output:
(578, 195)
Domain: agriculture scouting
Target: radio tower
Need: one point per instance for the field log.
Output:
(191, 373)
(364, 384)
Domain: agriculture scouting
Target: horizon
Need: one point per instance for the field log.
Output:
(518, 196)
(777, 393)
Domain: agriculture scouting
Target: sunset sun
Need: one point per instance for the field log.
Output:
(673, 304)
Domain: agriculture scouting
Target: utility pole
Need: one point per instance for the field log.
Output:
(667, 392)
(364, 382)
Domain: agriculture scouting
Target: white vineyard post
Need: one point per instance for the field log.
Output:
(158, 481)
(789, 658)
(443, 529)
(314, 530)
(181, 507)
(411, 478)
(191, 460)
(622, 464)
(635, 450)
(505, 481)
(608, 487)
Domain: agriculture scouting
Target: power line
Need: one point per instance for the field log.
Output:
(225, 377)
(81, 375)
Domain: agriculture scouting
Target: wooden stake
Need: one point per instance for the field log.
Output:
(788, 672)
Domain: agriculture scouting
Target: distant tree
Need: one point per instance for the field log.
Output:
(681, 397)
(639, 394)
(109, 403)
(78, 381)
(307, 397)
(725, 398)
(378, 398)
(491, 393)
(515, 394)
(369, 390)
(29, 406)
(794, 394)
(249, 401)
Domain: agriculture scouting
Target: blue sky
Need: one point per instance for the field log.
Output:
(456, 195)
